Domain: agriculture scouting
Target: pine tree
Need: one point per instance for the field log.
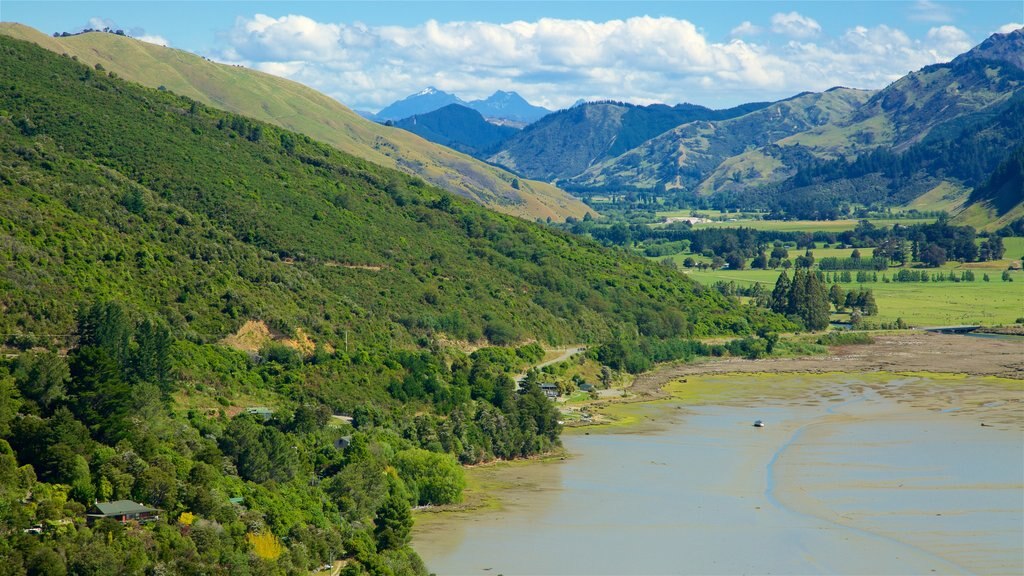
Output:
(780, 295)
(815, 310)
(797, 293)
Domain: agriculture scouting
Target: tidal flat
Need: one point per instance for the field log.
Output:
(854, 473)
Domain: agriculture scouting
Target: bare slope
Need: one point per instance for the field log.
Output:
(297, 107)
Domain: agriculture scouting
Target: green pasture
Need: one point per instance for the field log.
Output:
(810, 225)
(918, 303)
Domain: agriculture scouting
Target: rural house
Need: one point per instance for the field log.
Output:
(123, 511)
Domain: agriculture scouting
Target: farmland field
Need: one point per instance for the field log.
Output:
(918, 303)
(809, 225)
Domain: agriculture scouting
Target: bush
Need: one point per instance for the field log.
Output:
(845, 338)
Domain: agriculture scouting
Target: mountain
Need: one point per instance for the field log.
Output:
(189, 295)
(297, 107)
(210, 219)
(686, 154)
(426, 100)
(943, 128)
(509, 106)
(565, 143)
(460, 128)
(1008, 47)
(500, 106)
(999, 200)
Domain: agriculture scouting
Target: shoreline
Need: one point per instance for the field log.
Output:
(923, 377)
(910, 351)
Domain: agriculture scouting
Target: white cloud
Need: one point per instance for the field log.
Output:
(929, 11)
(795, 25)
(153, 39)
(746, 28)
(553, 62)
(1010, 27)
(97, 23)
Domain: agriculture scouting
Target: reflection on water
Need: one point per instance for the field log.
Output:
(858, 485)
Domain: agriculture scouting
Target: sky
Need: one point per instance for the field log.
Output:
(368, 54)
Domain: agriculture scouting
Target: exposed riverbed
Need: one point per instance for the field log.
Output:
(865, 473)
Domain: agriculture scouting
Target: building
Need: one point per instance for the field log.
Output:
(123, 511)
(550, 390)
(261, 412)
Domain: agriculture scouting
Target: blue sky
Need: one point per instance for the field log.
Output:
(368, 54)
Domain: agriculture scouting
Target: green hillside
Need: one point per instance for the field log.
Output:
(565, 143)
(192, 300)
(939, 102)
(684, 156)
(459, 128)
(182, 210)
(296, 107)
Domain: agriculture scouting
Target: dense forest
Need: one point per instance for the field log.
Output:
(140, 229)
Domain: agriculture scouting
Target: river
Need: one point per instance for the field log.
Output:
(853, 474)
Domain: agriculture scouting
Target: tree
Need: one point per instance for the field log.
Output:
(933, 255)
(432, 477)
(736, 261)
(393, 523)
(779, 299)
(837, 296)
(760, 261)
(815, 311)
(42, 377)
(689, 262)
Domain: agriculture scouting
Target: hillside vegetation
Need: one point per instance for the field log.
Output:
(140, 228)
(299, 108)
(565, 143)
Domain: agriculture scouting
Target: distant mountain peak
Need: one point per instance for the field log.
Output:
(1007, 47)
(426, 91)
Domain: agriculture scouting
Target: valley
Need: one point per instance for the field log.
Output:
(404, 290)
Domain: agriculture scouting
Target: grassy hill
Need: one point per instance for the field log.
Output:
(299, 108)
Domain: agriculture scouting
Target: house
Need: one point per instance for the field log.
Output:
(550, 390)
(123, 511)
(261, 411)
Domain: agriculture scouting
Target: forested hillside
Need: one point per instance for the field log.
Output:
(299, 108)
(141, 230)
(459, 128)
(565, 143)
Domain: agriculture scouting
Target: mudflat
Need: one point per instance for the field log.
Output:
(906, 456)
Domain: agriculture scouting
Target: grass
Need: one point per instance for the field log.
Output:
(810, 225)
(918, 303)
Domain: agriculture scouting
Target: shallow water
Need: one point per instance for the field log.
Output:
(856, 485)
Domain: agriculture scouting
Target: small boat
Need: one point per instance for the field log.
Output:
(758, 423)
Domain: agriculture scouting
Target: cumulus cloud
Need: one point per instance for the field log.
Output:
(153, 39)
(553, 62)
(795, 25)
(746, 28)
(1010, 27)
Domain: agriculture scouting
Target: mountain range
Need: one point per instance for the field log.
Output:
(500, 106)
(459, 128)
(297, 107)
(933, 134)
